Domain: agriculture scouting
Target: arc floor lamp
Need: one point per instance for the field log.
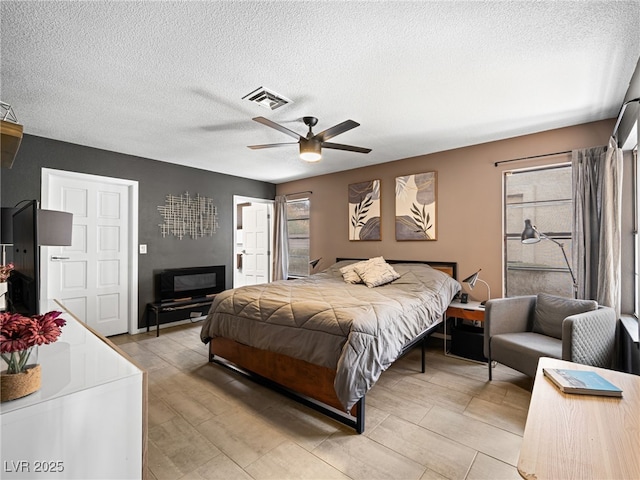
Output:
(530, 234)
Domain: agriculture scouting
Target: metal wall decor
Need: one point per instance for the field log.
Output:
(185, 215)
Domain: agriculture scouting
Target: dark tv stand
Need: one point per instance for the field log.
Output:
(160, 308)
(185, 290)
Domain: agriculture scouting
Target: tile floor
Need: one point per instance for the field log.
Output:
(206, 422)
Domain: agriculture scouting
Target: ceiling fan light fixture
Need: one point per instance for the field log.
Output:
(310, 146)
(310, 157)
(310, 151)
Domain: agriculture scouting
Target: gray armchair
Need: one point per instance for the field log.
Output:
(520, 330)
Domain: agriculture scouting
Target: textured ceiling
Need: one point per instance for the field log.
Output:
(165, 80)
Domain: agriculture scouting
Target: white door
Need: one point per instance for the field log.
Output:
(256, 254)
(91, 277)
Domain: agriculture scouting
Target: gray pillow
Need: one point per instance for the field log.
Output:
(552, 310)
(349, 273)
(375, 272)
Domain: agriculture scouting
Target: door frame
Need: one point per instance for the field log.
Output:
(132, 277)
(237, 200)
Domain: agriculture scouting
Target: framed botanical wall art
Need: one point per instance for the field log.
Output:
(364, 210)
(416, 197)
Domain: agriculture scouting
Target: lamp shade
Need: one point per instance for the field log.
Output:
(7, 226)
(315, 262)
(530, 233)
(54, 228)
(472, 279)
(310, 150)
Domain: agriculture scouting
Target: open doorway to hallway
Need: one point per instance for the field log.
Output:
(252, 240)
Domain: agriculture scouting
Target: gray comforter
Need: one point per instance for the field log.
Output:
(356, 330)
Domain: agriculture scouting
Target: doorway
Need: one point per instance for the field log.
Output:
(96, 277)
(252, 237)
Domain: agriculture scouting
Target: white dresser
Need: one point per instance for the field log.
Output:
(87, 421)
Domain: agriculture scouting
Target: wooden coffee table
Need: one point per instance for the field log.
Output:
(572, 436)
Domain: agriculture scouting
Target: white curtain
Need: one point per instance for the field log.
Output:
(597, 190)
(280, 239)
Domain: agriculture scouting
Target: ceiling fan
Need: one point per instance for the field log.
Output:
(311, 145)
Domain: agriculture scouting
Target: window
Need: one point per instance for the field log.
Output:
(298, 226)
(542, 195)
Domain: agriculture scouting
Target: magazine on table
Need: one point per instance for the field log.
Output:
(584, 382)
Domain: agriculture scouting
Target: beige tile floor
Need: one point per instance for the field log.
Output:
(206, 422)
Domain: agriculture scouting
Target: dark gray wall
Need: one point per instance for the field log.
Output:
(155, 180)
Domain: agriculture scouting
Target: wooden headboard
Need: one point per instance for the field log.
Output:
(450, 268)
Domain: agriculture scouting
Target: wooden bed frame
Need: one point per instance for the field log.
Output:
(305, 382)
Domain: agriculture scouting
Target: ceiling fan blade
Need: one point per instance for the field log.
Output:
(349, 148)
(336, 130)
(271, 145)
(269, 123)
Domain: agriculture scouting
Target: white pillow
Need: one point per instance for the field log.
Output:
(375, 272)
(349, 274)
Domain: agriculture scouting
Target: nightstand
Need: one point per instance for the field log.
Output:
(466, 341)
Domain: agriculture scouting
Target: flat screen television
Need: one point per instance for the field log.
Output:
(24, 282)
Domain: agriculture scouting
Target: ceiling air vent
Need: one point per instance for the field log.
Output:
(267, 98)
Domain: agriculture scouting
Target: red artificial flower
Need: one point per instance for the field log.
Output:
(60, 322)
(12, 345)
(5, 270)
(18, 332)
(14, 331)
(44, 331)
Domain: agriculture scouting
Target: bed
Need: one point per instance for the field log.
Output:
(325, 341)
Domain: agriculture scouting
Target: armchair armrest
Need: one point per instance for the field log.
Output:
(507, 315)
(589, 338)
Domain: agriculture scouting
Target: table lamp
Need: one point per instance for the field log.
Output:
(472, 279)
